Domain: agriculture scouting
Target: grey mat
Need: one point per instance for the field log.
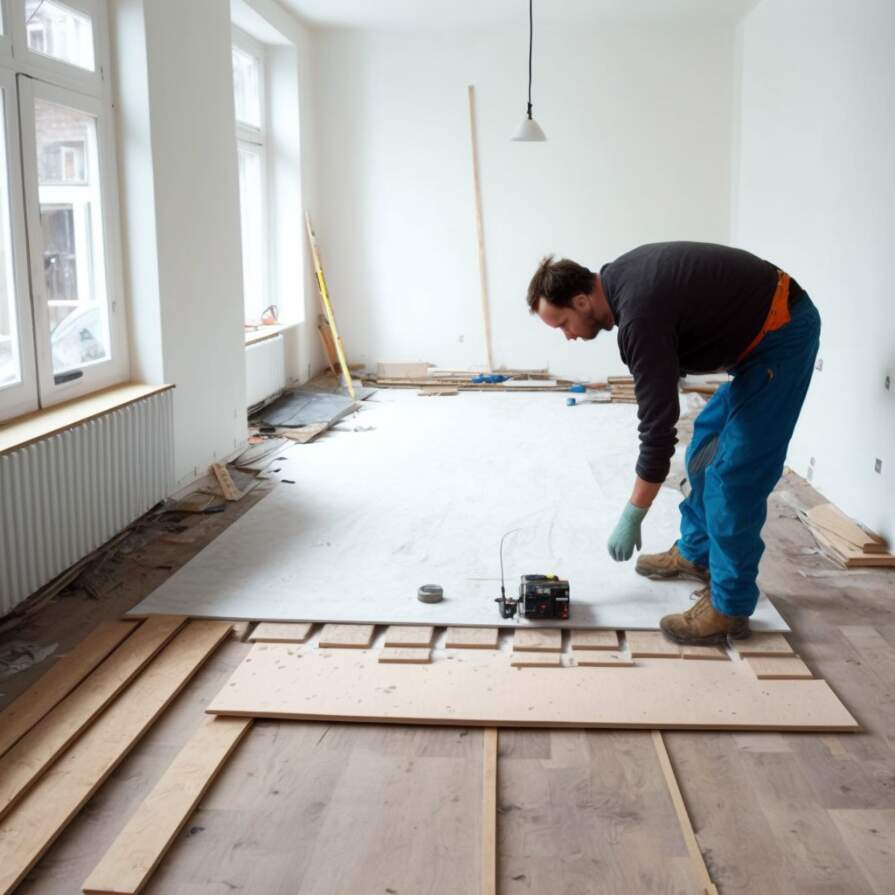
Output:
(422, 497)
(303, 408)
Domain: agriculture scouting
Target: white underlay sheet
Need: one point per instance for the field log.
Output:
(423, 498)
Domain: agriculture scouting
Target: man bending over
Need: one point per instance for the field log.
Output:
(687, 307)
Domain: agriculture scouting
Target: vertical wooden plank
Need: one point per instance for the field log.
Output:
(140, 846)
(46, 741)
(707, 887)
(32, 826)
(480, 230)
(59, 680)
(489, 812)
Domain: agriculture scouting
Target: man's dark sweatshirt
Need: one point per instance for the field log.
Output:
(682, 307)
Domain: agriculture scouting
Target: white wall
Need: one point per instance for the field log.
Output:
(180, 198)
(181, 217)
(640, 128)
(816, 193)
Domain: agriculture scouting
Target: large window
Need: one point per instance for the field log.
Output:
(249, 78)
(62, 328)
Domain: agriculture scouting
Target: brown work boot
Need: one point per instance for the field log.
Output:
(669, 564)
(702, 624)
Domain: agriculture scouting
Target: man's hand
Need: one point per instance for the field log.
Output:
(626, 534)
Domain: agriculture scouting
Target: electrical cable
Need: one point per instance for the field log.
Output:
(531, 32)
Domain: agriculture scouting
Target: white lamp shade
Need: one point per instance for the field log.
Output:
(529, 132)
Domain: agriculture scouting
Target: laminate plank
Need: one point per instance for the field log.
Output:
(870, 837)
(651, 644)
(764, 644)
(137, 851)
(281, 632)
(471, 638)
(24, 763)
(346, 636)
(413, 823)
(704, 652)
(812, 848)
(779, 668)
(31, 826)
(59, 680)
(594, 818)
(538, 639)
(409, 635)
(594, 640)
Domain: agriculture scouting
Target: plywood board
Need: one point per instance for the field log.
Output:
(704, 652)
(346, 636)
(140, 846)
(409, 635)
(547, 640)
(583, 640)
(471, 638)
(59, 680)
(601, 658)
(348, 685)
(405, 655)
(536, 660)
(413, 370)
(23, 764)
(651, 644)
(281, 632)
(764, 645)
(779, 668)
(353, 547)
(33, 825)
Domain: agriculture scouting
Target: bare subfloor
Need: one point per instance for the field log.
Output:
(323, 809)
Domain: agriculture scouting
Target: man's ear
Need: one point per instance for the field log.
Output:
(580, 302)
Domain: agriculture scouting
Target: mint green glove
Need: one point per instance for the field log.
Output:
(626, 534)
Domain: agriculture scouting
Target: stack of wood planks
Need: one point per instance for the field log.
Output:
(622, 389)
(424, 375)
(844, 541)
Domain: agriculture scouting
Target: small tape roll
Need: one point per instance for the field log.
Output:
(430, 593)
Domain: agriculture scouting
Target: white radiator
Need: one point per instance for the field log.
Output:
(265, 370)
(67, 494)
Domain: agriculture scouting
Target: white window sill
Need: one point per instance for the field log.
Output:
(260, 333)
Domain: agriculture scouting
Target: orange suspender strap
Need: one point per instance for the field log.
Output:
(777, 317)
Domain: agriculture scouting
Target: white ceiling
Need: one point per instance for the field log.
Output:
(424, 14)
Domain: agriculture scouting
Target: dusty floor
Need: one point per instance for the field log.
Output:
(334, 809)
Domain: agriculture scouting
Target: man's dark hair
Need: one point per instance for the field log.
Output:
(559, 282)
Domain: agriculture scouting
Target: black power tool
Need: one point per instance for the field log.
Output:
(540, 596)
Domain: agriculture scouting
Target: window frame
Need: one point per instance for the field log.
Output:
(254, 139)
(21, 397)
(56, 71)
(115, 368)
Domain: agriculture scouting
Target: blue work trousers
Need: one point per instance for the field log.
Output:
(736, 457)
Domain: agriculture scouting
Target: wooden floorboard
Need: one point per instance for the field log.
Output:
(578, 812)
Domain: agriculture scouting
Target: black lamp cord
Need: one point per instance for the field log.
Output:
(531, 29)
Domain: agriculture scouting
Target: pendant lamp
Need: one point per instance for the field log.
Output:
(529, 131)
